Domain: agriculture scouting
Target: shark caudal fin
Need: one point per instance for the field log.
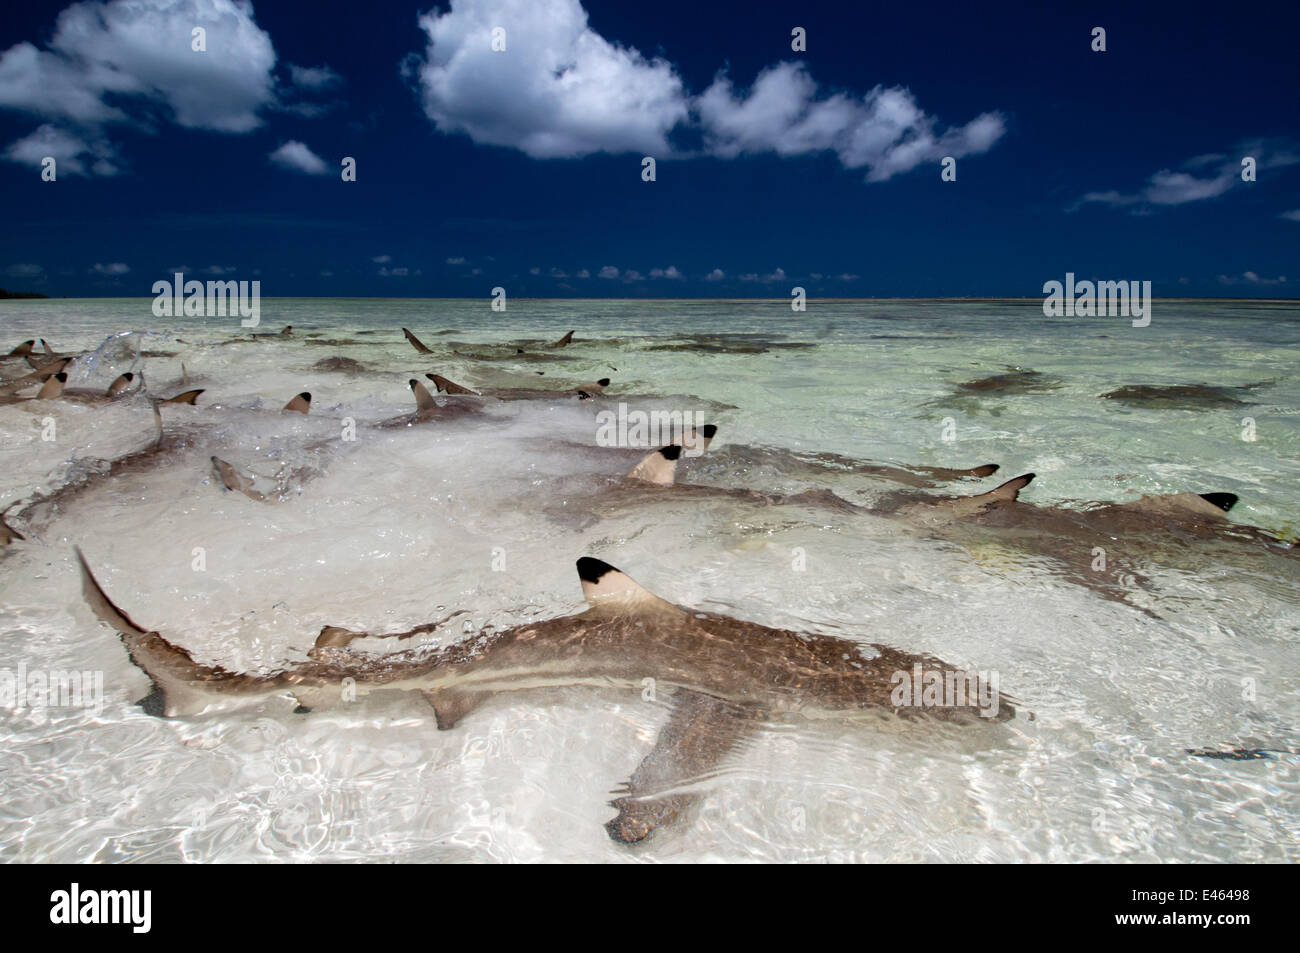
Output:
(659, 467)
(416, 342)
(604, 586)
(301, 404)
(186, 398)
(53, 387)
(445, 386)
(424, 402)
(986, 470)
(181, 686)
(121, 384)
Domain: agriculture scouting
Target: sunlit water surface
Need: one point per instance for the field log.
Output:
(487, 515)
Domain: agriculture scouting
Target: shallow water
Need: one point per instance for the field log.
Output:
(399, 527)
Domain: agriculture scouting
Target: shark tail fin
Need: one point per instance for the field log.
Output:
(416, 342)
(177, 678)
(445, 386)
(659, 467)
(603, 585)
(423, 399)
(1007, 492)
(186, 398)
(300, 404)
(984, 470)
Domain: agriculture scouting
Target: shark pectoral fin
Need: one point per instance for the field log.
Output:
(658, 467)
(606, 587)
(300, 404)
(699, 734)
(450, 705)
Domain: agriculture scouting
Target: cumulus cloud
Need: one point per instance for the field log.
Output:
(717, 274)
(631, 275)
(669, 272)
(1250, 278)
(295, 156)
(394, 272)
(112, 270)
(1292, 216)
(25, 271)
(456, 261)
(560, 90)
(1213, 174)
(72, 154)
(609, 271)
(383, 259)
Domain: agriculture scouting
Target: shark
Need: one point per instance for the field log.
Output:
(725, 676)
(587, 391)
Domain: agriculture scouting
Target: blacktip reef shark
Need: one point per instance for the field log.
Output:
(725, 676)
(586, 391)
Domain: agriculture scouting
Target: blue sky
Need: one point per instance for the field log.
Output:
(774, 168)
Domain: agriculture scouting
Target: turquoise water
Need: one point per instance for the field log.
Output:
(400, 527)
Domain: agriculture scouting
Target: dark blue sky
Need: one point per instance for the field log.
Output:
(1184, 88)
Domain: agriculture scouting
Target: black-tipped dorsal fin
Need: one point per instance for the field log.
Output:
(1224, 501)
(52, 387)
(1009, 491)
(186, 398)
(986, 470)
(122, 383)
(659, 467)
(301, 404)
(416, 342)
(603, 585)
(22, 350)
(567, 339)
(445, 386)
(695, 442)
(103, 606)
(423, 399)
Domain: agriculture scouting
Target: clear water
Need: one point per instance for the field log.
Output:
(403, 526)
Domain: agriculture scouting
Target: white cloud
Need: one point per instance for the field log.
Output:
(113, 269)
(669, 272)
(609, 271)
(583, 273)
(717, 274)
(534, 271)
(1251, 278)
(72, 154)
(778, 275)
(295, 156)
(885, 132)
(219, 270)
(314, 77)
(142, 49)
(394, 272)
(25, 271)
(631, 275)
(560, 90)
(1292, 216)
(382, 259)
(456, 261)
(1168, 187)
(557, 273)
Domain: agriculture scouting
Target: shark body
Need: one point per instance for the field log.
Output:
(725, 676)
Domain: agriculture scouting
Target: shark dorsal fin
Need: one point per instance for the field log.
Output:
(300, 404)
(416, 342)
(52, 387)
(186, 398)
(567, 339)
(1007, 492)
(605, 586)
(1224, 501)
(423, 399)
(287, 330)
(23, 349)
(695, 442)
(658, 467)
(445, 386)
(121, 384)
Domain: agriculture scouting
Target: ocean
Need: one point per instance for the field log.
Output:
(486, 516)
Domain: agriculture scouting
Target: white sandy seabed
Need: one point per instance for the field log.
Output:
(488, 514)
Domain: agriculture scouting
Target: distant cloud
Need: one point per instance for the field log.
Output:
(1250, 278)
(778, 275)
(1168, 187)
(631, 275)
(219, 270)
(583, 273)
(1292, 216)
(382, 259)
(394, 272)
(561, 90)
(295, 156)
(669, 272)
(534, 271)
(25, 271)
(455, 261)
(72, 154)
(609, 271)
(112, 270)
(314, 77)
(717, 274)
